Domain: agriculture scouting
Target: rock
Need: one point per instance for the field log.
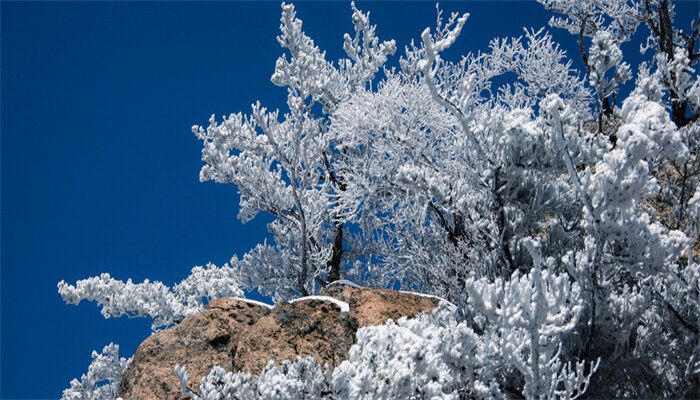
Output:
(200, 342)
(243, 336)
(375, 306)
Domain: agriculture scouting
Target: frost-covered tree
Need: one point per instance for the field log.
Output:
(531, 313)
(444, 184)
(102, 379)
(302, 379)
(558, 210)
(615, 21)
(285, 167)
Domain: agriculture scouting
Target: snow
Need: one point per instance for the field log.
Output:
(344, 282)
(451, 306)
(257, 303)
(344, 307)
(353, 284)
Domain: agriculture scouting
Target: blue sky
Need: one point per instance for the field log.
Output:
(100, 169)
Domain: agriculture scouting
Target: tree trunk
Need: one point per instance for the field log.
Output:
(334, 262)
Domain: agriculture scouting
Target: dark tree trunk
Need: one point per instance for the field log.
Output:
(334, 262)
(678, 109)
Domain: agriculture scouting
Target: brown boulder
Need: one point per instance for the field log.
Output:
(242, 336)
(200, 342)
(306, 328)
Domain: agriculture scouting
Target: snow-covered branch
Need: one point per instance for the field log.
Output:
(102, 379)
(153, 299)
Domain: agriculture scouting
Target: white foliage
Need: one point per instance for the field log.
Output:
(543, 69)
(153, 299)
(302, 380)
(694, 206)
(366, 55)
(678, 75)
(431, 356)
(624, 242)
(531, 313)
(219, 384)
(420, 190)
(604, 55)
(622, 179)
(102, 379)
(284, 167)
(586, 18)
(648, 128)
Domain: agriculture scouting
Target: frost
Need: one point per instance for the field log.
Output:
(153, 299)
(451, 306)
(428, 356)
(535, 311)
(102, 379)
(302, 379)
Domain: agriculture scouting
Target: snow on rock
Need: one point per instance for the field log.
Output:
(255, 302)
(344, 307)
(375, 306)
(450, 305)
(344, 282)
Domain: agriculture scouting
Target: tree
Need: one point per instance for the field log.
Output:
(559, 213)
(103, 376)
(287, 168)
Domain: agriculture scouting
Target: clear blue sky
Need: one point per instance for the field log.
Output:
(100, 169)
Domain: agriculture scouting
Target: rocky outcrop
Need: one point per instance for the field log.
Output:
(243, 336)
